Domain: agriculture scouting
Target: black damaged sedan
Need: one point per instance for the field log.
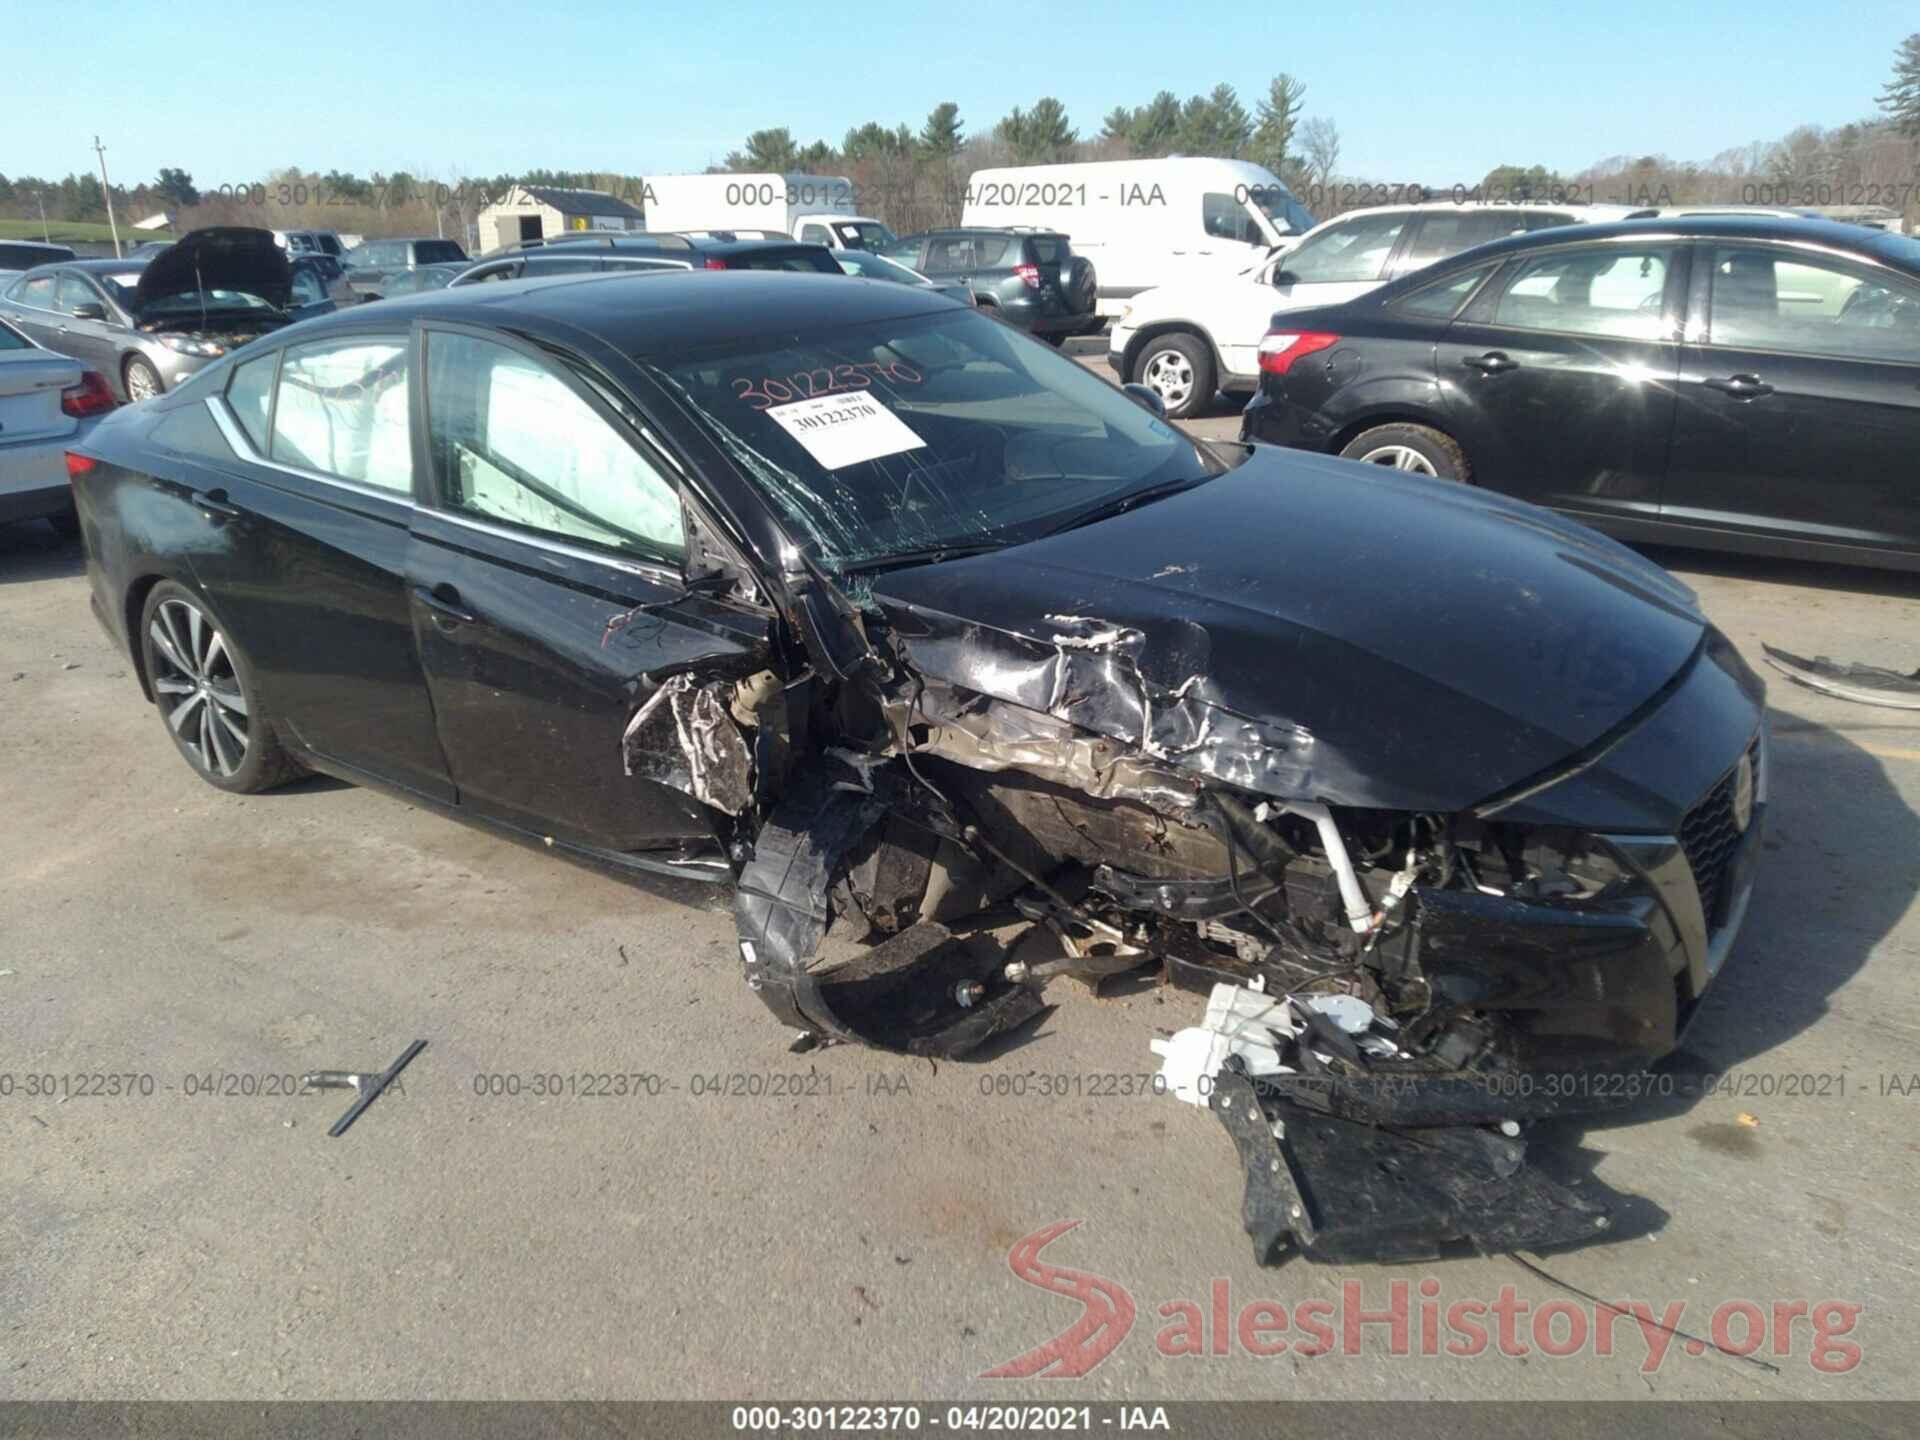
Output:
(906, 625)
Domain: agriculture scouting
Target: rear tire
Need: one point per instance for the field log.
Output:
(204, 692)
(1411, 449)
(1178, 367)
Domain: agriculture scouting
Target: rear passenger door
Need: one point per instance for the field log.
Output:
(548, 600)
(1559, 376)
(302, 546)
(1799, 398)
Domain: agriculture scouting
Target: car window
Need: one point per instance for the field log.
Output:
(513, 443)
(814, 234)
(437, 252)
(12, 339)
(905, 253)
(36, 291)
(1225, 218)
(73, 293)
(1599, 290)
(991, 250)
(813, 262)
(1763, 300)
(562, 265)
(950, 255)
(1047, 249)
(341, 410)
(1442, 299)
(249, 393)
(1351, 250)
(1444, 233)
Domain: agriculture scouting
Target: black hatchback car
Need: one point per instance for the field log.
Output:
(1732, 383)
(888, 614)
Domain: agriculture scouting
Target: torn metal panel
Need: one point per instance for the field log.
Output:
(1863, 684)
(686, 736)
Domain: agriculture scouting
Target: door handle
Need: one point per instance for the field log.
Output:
(214, 503)
(1741, 387)
(444, 601)
(1492, 363)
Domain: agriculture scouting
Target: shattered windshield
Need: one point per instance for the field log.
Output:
(914, 435)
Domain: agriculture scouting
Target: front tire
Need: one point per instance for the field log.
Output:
(142, 381)
(204, 691)
(1412, 449)
(1177, 367)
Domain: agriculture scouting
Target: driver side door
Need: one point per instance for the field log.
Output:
(548, 599)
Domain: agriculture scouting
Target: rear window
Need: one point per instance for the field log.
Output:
(1047, 249)
(816, 261)
(436, 252)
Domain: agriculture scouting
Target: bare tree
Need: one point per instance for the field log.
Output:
(1320, 149)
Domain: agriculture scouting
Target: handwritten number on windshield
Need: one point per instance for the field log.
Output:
(827, 380)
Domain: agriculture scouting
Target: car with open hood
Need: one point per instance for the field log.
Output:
(148, 324)
(911, 629)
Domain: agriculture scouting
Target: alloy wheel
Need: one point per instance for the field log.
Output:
(199, 689)
(1169, 374)
(1400, 457)
(141, 383)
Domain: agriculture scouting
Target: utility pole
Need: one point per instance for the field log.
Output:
(45, 234)
(107, 190)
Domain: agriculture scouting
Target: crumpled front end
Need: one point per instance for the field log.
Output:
(998, 810)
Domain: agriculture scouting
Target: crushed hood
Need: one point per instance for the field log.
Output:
(223, 257)
(1315, 629)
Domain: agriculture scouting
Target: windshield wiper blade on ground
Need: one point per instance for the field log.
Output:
(1120, 504)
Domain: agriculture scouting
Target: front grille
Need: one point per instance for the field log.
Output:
(1710, 838)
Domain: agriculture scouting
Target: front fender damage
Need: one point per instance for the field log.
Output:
(994, 812)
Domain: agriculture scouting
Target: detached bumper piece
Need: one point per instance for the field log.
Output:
(1864, 684)
(1341, 1192)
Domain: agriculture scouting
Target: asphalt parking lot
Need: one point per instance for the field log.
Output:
(849, 1236)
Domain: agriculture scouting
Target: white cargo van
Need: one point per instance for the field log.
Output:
(1145, 222)
(820, 205)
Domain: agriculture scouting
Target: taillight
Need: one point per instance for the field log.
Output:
(1280, 348)
(78, 465)
(92, 396)
(1030, 274)
(714, 262)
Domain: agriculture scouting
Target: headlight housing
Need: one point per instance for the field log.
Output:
(192, 345)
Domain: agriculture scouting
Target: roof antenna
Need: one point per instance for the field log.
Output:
(200, 285)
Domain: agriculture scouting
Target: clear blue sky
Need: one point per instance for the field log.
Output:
(1428, 92)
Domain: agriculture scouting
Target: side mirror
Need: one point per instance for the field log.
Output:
(91, 310)
(1284, 278)
(1146, 399)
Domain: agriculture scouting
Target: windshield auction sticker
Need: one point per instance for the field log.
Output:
(843, 430)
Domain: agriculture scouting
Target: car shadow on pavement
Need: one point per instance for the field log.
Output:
(1799, 574)
(1835, 878)
(31, 550)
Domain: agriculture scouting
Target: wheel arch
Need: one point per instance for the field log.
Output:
(132, 603)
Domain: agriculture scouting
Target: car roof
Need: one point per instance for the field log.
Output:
(1024, 231)
(1882, 244)
(660, 311)
(1597, 211)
